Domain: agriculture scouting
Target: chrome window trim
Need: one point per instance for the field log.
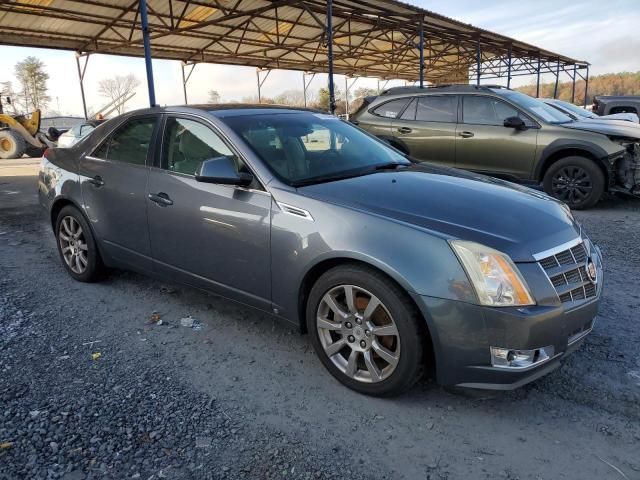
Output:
(192, 177)
(555, 250)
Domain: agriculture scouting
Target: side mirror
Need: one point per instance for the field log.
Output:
(222, 170)
(515, 122)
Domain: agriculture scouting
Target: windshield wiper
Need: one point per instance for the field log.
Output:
(390, 166)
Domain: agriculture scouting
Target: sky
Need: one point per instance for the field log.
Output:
(583, 29)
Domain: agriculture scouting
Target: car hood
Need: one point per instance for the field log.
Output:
(629, 117)
(617, 128)
(455, 204)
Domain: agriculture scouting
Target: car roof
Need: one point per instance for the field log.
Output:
(224, 109)
(453, 88)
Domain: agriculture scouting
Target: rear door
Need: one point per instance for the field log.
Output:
(378, 121)
(427, 128)
(211, 236)
(484, 144)
(113, 181)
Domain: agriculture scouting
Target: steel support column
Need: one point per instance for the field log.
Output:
(144, 22)
(329, 37)
(555, 88)
(573, 86)
(478, 62)
(185, 79)
(586, 87)
(538, 78)
(509, 67)
(261, 82)
(421, 47)
(81, 72)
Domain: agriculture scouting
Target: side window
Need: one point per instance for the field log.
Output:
(188, 143)
(487, 111)
(391, 109)
(437, 109)
(129, 143)
(410, 111)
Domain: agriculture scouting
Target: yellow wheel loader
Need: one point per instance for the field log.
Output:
(20, 134)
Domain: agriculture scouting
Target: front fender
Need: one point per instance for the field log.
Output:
(419, 261)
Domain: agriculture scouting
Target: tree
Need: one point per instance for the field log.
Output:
(214, 96)
(290, 97)
(118, 89)
(32, 77)
(322, 102)
(362, 92)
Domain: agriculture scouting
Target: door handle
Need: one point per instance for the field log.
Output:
(161, 199)
(466, 134)
(96, 181)
(405, 130)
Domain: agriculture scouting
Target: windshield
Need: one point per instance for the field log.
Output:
(580, 112)
(536, 107)
(304, 147)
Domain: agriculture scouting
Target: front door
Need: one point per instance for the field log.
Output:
(427, 128)
(211, 236)
(114, 180)
(484, 144)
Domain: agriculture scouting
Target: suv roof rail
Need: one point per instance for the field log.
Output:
(443, 86)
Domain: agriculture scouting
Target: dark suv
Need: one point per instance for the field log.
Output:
(503, 133)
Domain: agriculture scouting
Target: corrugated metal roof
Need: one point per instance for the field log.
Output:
(374, 38)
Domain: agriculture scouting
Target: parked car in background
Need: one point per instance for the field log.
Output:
(77, 133)
(392, 267)
(504, 133)
(578, 113)
(610, 104)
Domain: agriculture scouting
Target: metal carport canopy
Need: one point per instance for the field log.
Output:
(371, 38)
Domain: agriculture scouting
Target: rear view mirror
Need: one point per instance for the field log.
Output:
(515, 122)
(222, 170)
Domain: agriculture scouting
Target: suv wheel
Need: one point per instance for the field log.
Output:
(577, 181)
(77, 247)
(365, 331)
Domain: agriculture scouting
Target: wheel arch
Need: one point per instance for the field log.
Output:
(324, 265)
(554, 154)
(57, 206)
(395, 143)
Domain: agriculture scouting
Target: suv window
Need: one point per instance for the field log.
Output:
(487, 111)
(391, 109)
(435, 108)
(187, 143)
(129, 143)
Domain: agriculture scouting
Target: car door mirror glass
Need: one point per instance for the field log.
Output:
(222, 170)
(514, 122)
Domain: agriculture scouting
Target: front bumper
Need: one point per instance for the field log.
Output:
(463, 333)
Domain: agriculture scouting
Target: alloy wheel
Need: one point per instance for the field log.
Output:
(73, 245)
(571, 184)
(358, 333)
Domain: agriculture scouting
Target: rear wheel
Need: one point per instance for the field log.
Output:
(12, 145)
(77, 247)
(577, 181)
(365, 331)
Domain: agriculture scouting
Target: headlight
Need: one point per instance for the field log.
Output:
(496, 279)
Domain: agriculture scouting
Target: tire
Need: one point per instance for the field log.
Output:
(336, 339)
(34, 152)
(91, 269)
(576, 181)
(12, 145)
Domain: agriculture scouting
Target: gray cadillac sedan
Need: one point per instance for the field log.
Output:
(393, 267)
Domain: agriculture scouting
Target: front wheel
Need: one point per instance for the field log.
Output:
(577, 181)
(365, 330)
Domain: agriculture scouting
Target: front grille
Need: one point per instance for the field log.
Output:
(568, 274)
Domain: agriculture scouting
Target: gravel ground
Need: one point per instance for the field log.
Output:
(91, 387)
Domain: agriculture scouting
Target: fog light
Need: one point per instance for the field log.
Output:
(511, 358)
